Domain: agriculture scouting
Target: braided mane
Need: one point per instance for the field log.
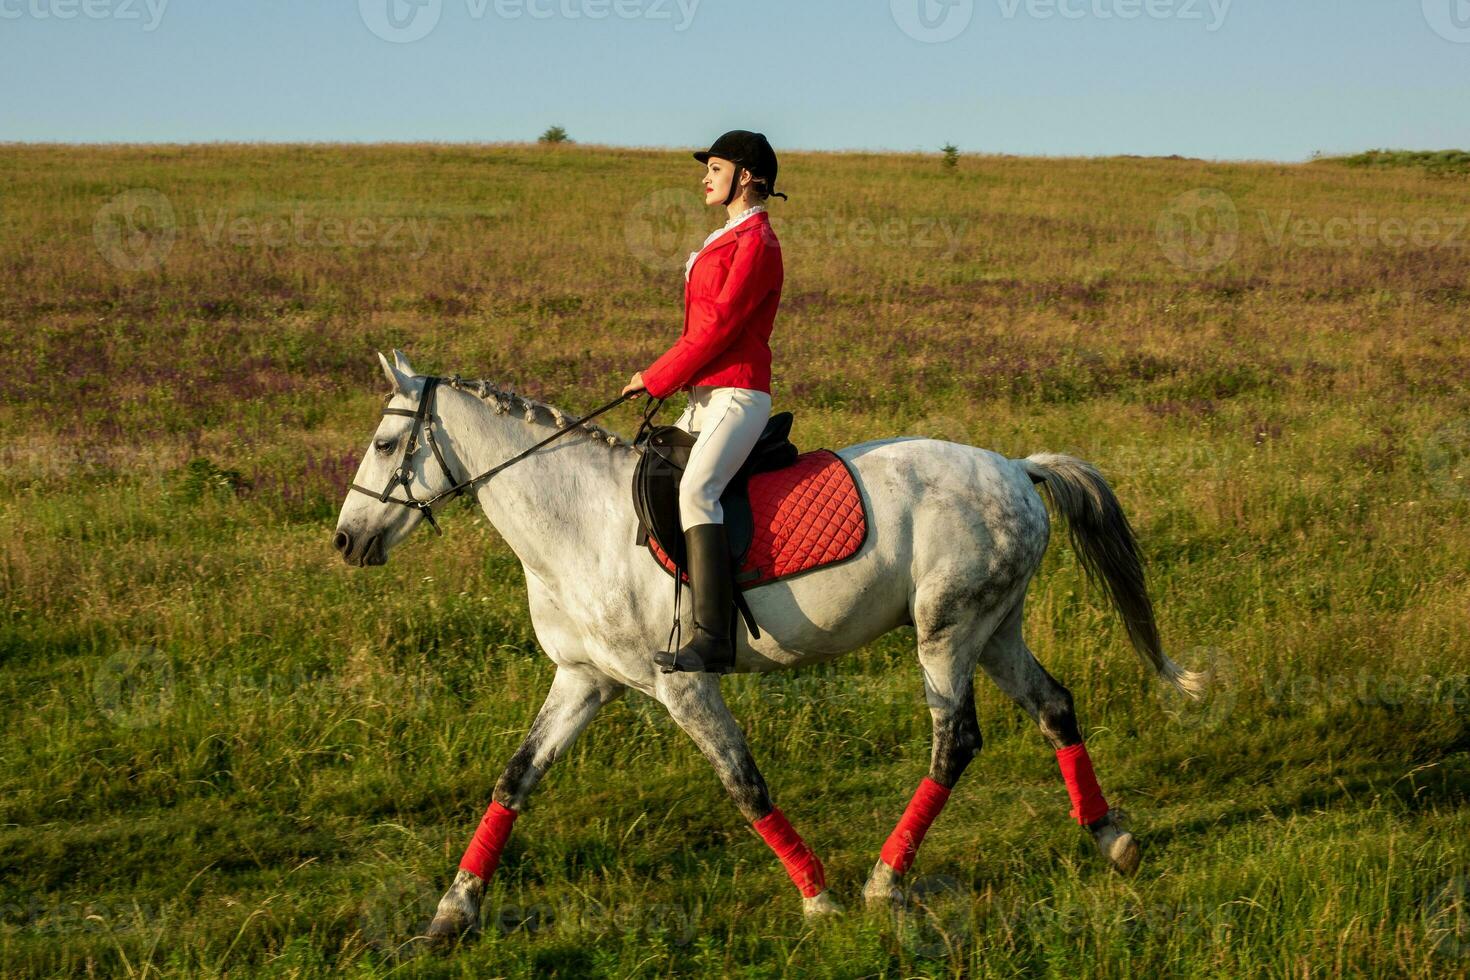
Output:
(503, 400)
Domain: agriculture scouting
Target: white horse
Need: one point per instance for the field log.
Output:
(955, 535)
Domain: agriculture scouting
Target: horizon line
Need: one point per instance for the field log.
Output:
(661, 148)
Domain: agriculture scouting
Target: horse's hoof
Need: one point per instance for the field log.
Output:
(1124, 854)
(445, 931)
(882, 891)
(458, 914)
(819, 905)
(1118, 846)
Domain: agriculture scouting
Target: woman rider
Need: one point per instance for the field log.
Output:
(732, 287)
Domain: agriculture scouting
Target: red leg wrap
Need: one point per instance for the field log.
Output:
(483, 854)
(899, 850)
(801, 864)
(1087, 799)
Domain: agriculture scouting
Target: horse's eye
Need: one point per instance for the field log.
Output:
(386, 446)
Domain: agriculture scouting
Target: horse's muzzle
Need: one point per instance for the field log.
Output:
(369, 551)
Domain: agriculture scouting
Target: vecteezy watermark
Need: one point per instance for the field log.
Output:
(668, 226)
(945, 428)
(941, 918)
(942, 234)
(401, 21)
(134, 687)
(139, 686)
(932, 21)
(1445, 914)
(1222, 682)
(148, 12)
(571, 917)
(1199, 230)
(406, 21)
(1450, 19)
(663, 228)
(1210, 12)
(302, 230)
(55, 917)
(397, 910)
(936, 916)
(1445, 454)
(1365, 230)
(135, 231)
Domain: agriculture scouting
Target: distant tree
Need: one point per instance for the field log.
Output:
(555, 134)
(951, 154)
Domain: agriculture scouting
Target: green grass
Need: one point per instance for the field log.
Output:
(1434, 161)
(225, 753)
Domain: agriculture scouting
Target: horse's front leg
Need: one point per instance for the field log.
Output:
(575, 697)
(696, 704)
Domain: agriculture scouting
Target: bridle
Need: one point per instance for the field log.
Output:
(423, 422)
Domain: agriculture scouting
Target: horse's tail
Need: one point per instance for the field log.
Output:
(1104, 542)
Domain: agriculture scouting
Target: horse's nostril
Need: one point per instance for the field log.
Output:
(342, 541)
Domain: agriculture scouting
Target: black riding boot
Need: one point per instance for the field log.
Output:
(711, 648)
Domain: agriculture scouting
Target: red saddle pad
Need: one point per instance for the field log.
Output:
(807, 515)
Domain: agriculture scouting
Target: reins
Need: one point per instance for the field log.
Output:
(423, 421)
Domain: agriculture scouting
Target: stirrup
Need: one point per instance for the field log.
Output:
(688, 658)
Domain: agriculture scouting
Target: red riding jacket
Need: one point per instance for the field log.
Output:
(730, 305)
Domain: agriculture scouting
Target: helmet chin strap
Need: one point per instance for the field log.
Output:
(734, 185)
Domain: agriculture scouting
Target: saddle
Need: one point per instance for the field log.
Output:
(665, 453)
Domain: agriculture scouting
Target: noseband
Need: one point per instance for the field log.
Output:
(423, 421)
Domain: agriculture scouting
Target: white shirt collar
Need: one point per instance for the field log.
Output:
(743, 216)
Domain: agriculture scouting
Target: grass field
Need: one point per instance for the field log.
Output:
(226, 753)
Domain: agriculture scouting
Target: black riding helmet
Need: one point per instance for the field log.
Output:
(748, 150)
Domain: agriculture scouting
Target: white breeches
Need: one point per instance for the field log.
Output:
(726, 423)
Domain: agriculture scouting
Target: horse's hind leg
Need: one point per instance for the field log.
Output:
(1016, 671)
(696, 704)
(950, 635)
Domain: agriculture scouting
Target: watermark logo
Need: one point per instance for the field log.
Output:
(678, 924)
(406, 21)
(134, 688)
(663, 228)
(1221, 691)
(401, 21)
(302, 230)
(943, 427)
(1181, 10)
(1199, 230)
(53, 917)
(149, 12)
(1446, 457)
(136, 230)
(1450, 19)
(832, 230)
(932, 21)
(937, 917)
(397, 911)
(1446, 919)
(1364, 230)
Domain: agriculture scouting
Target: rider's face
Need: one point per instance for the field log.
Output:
(718, 173)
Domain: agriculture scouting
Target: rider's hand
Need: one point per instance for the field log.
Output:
(634, 385)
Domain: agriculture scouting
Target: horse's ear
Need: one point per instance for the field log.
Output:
(396, 378)
(402, 364)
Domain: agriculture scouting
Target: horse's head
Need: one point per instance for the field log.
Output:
(396, 468)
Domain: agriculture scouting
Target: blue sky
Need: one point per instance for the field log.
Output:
(1222, 79)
